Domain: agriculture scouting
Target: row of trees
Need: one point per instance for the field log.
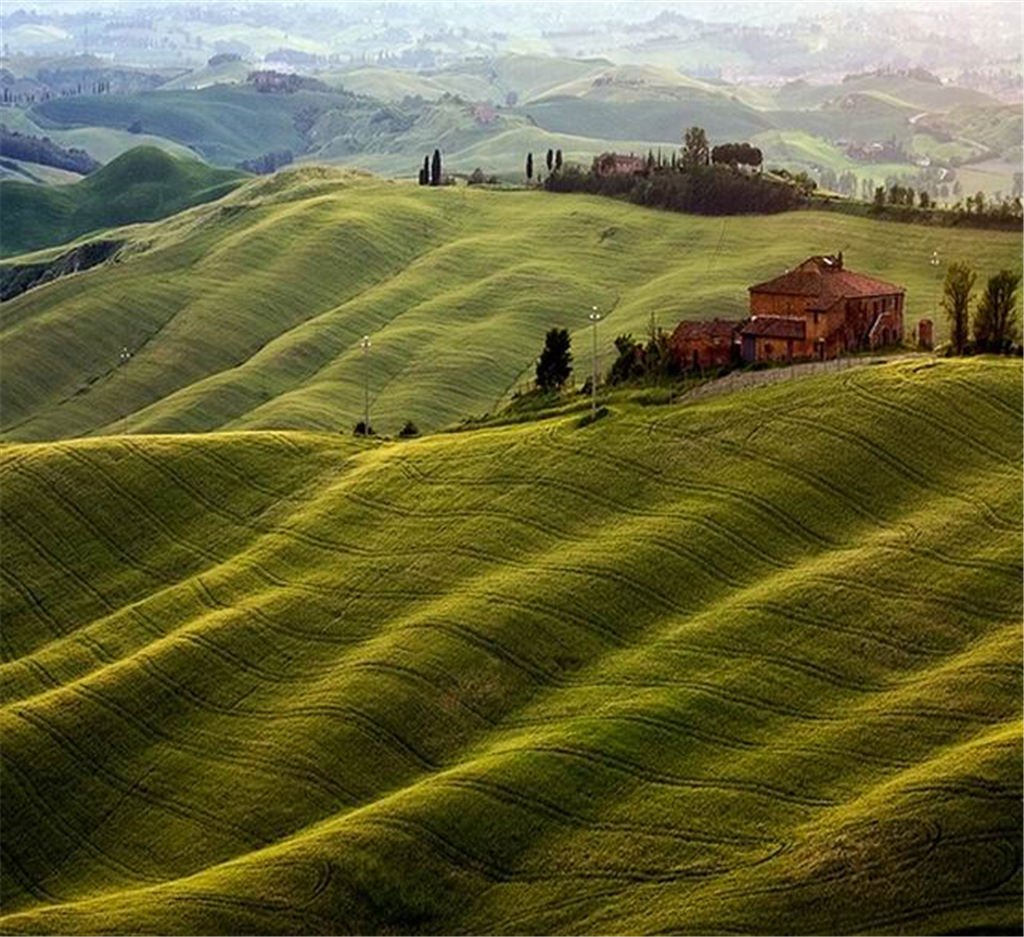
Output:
(700, 189)
(1002, 209)
(994, 323)
(553, 160)
(43, 150)
(430, 171)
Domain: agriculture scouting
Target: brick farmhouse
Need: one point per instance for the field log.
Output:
(816, 310)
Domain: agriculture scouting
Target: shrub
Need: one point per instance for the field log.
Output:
(409, 430)
(361, 429)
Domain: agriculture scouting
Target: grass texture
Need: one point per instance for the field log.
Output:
(747, 665)
(247, 313)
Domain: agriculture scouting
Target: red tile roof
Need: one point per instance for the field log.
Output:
(825, 279)
(710, 329)
(775, 327)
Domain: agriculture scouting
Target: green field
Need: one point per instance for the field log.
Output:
(247, 313)
(225, 124)
(750, 665)
(141, 185)
(589, 105)
(102, 143)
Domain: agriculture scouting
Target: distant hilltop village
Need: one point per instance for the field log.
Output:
(817, 310)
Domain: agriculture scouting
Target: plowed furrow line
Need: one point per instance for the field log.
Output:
(357, 718)
(188, 812)
(306, 774)
(100, 535)
(743, 498)
(57, 564)
(536, 804)
(47, 814)
(650, 776)
(27, 883)
(489, 646)
(32, 601)
(944, 428)
(456, 855)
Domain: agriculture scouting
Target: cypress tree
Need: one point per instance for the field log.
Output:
(551, 160)
(425, 171)
(435, 168)
(529, 166)
(558, 160)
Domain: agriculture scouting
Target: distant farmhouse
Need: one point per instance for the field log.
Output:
(816, 310)
(617, 164)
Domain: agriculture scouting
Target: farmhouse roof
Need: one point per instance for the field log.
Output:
(709, 329)
(823, 278)
(775, 327)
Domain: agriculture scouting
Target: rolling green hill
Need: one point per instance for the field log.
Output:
(101, 143)
(247, 313)
(660, 119)
(744, 666)
(225, 123)
(142, 185)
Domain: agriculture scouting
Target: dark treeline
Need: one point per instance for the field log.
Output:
(1004, 215)
(701, 189)
(267, 163)
(43, 150)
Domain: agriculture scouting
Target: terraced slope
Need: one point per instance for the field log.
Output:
(247, 313)
(751, 665)
(143, 184)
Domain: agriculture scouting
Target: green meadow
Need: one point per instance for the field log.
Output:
(143, 184)
(748, 665)
(247, 313)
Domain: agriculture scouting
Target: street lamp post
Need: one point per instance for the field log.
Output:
(594, 317)
(124, 358)
(365, 345)
(936, 262)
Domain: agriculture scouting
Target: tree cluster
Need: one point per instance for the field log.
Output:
(737, 154)
(640, 361)
(430, 171)
(994, 324)
(270, 81)
(267, 163)
(703, 190)
(43, 150)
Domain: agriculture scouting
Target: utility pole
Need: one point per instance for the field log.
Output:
(365, 345)
(125, 357)
(594, 317)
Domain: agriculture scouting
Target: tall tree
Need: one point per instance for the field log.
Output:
(435, 168)
(551, 160)
(957, 302)
(425, 171)
(555, 363)
(695, 148)
(558, 160)
(995, 320)
(529, 166)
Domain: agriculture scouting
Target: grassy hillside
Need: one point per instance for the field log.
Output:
(662, 119)
(476, 79)
(750, 665)
(225, 124)
(21, 171)
(247, 313)
(142, 185)
(101, 143)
